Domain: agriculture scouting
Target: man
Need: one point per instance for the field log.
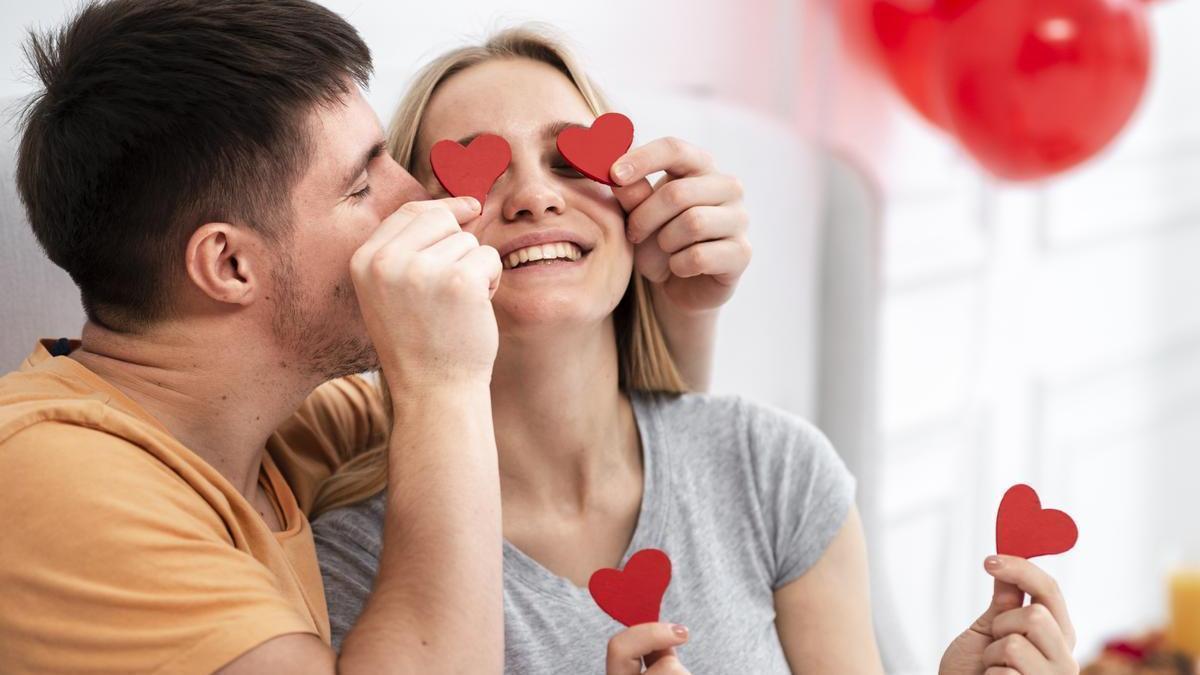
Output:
(209, 174)
(200, 168)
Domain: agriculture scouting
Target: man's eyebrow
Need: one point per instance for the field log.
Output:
(375, 151)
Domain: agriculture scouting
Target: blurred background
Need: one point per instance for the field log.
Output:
(954, 333)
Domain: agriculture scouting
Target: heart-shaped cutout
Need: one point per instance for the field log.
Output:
(473, 170)
(633, 595)
(1025, 529)
(592, 151)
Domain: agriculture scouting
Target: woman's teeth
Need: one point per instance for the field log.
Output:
(543, 252)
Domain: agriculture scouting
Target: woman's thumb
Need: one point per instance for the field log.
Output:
(1005, 596)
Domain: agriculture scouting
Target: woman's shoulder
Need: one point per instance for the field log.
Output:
(724, 415)
(362, 522)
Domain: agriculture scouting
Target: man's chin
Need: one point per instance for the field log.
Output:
(351, 359)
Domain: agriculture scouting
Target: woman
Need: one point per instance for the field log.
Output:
(601, 453)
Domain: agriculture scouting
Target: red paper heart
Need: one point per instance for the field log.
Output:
(470, 171)
(1025, 529)
(633, 595)
(593, 151)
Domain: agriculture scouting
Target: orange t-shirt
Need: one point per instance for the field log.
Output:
(123, 551)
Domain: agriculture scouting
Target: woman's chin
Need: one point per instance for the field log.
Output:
(553, 311)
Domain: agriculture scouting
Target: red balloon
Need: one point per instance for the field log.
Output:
(1034, 87)
(911, 41)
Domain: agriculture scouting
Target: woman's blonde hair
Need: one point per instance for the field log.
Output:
(645, 362)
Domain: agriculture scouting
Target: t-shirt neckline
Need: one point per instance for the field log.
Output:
(652, 515)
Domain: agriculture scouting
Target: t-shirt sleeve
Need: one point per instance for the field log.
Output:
(339, 420)
(110, 563)
(348, 544)
(805, 489)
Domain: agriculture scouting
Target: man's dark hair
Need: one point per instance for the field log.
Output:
(157, 116)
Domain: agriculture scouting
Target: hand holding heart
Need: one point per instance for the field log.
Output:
(1011, 637)
(689, 228)
(1034, 639)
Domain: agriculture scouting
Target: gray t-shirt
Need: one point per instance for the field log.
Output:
(744, 498)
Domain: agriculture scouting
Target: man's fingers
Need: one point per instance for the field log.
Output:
(676, 157)
(677, 196)
(483, 262)
(452, 248)
(464, 209)
(1037, 624)
(1042, 587)
(626, 649)
(454, 211)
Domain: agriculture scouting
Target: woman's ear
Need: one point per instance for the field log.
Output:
(223, 262)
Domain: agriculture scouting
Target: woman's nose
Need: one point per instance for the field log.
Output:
(532, 197)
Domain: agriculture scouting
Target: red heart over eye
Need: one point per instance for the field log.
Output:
(1025, 529)
(633, 595)
(593, 151)
(470, 171)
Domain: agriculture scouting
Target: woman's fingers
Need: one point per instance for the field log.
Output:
(701, 223)
(1040, 586)
(676, 157)
(1018, 653)
(676, 196)
(667, 665)
(1038, 625)
(627, 648)
(724, 260)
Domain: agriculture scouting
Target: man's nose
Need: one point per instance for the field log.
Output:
(401, 187)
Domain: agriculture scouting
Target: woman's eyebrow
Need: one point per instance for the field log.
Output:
(549, 130)
(553, 129)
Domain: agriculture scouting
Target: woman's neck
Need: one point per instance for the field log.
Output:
(564, 431)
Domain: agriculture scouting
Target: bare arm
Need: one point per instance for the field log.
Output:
(437, 597)
(824, 617)
(691, 337)
(436, 605)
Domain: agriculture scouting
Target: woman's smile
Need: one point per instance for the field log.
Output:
(543, 256)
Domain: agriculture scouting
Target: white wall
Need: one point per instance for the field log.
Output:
(1048, 335)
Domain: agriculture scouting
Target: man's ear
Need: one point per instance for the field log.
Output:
(225, 263)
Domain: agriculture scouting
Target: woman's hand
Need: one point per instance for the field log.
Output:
(689, 229)
(1009, 639)
(654, 642)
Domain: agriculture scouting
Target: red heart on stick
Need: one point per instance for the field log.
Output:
(634, 595)
(593, 151)
(470, 171)
(1025, 529)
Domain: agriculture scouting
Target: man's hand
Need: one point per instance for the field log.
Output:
(654, 643)
(689, 229)
(424, 288)
(1037, 639)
